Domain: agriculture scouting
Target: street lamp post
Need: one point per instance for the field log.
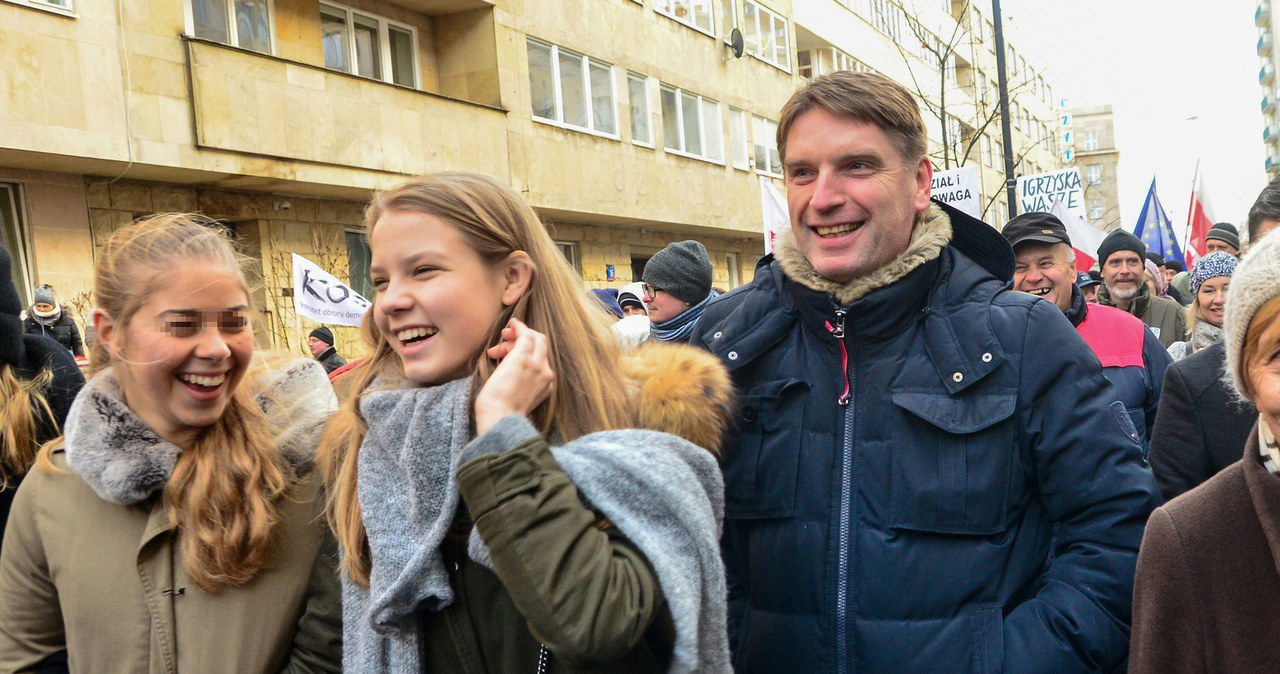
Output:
(1009, 181)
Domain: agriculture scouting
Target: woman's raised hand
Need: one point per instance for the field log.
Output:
(522, 380)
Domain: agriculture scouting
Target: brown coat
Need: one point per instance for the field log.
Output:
(1207, 595)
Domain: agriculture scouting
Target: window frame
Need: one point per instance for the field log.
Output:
(361, 284)
(1091, 141)
(773, 17)
(22, 246)
(671, 14)
(558, 91)
(69, 10)
(1093, 174)
(770, 143)
(745, 128)
(384, 44)
(233, 31)
(569, 249)
(702, 124)
(648, 109)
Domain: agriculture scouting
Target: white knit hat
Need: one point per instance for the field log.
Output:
(1256, 280)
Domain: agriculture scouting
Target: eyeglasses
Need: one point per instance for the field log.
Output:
(649, 290)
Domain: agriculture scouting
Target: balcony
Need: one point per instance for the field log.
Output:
(1264, 45)
(1273, 162)
(1267, 75)
(1262, 16)
(1268, 103)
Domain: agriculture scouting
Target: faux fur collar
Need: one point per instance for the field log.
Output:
(125, 462)
(931, 235)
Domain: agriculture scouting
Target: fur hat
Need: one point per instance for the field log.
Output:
(682, 269)
(323, 334)
(1220, 233)
(1117, 241)
(10, 313)
(1256, 280)
(1220, 263)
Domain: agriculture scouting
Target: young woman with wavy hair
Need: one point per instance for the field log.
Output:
(470, 544)
(177, 524)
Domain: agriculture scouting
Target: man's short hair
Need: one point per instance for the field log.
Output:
(862, 97)
(1267, 207)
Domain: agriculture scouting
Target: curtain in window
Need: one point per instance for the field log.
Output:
(253, 25)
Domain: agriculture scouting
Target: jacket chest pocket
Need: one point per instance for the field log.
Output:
(952, 471)
(760, 468)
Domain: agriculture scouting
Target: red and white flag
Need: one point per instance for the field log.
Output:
(1085, 238)
(1199, 220)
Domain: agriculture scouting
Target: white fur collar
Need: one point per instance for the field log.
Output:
(124, 461)
(931, 235)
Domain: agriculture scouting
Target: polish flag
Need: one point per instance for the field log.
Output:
(1085, 238)
(1199, 220)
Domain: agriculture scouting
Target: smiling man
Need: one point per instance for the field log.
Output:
(1120, 257)
(1132, 359)
(914, 442)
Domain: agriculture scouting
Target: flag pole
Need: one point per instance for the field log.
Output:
(1186, 234)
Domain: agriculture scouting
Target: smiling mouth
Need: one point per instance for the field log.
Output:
(203, 383)
(832, 231)
(1039, 291)
(411, 336)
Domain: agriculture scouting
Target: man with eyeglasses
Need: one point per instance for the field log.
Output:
(677, 288)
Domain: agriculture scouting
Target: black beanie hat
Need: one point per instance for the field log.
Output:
(323, 334)
(11, 350)
(1117, 241)
(682, 269)
(1221, 233)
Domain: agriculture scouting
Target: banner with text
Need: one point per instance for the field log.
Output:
(1040, 191)
(319, 296)
(959, 188)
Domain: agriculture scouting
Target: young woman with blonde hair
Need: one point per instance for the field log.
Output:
(177, 526)
(470, 545)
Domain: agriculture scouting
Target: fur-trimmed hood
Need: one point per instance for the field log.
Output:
(932, 233)
(124, 461)
(680, 389)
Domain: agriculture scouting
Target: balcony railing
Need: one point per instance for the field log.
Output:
(1268, 103)
(1267, 75)
(1262, 16)
(1264, 45)
(1273, 162)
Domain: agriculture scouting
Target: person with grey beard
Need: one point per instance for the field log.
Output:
(1120, 257)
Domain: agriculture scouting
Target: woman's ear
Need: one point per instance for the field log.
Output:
(104, 328)
(517, 275)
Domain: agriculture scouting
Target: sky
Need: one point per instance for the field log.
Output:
(1182, 78)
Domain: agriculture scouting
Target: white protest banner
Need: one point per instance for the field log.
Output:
(1039, 192)
(319, 296)
(959, 188)
(776, 217)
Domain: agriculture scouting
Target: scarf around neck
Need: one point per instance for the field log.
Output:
(679, 328)
(1204, 335)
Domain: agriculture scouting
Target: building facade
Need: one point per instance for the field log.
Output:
(1098, 159)
(1267, 82)
(626, 124)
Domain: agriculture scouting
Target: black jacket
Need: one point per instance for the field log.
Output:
(1201, 426)
(63, 331)
(330, 359)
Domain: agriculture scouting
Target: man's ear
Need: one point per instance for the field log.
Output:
(517, 275)
(924, 184)
(104, 327)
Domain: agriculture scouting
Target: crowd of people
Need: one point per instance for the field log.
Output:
(913, 443)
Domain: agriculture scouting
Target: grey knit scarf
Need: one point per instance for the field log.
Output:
(408, 498)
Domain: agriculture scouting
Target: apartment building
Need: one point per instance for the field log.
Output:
(1267, 82)
(627, 124)
(1098, 160)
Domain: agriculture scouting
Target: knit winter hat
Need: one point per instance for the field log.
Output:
(1255, 281)
(1220, 233)
(1154, 270)
(1175, 265)
(608, 299)
(323, 334)
(10, 310)
(44, 295)
(682, 269)
(1220, 263)
(632, 295)
(1117, 241)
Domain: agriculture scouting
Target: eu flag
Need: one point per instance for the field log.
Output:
(1154, 228)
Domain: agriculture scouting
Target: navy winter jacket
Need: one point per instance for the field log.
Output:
(912, 529)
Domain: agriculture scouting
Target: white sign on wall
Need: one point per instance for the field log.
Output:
(319, 296)
(959, 188)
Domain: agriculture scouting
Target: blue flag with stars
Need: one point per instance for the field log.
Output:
(1154, 228)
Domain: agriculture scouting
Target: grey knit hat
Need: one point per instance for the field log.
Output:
(682, 269)
(44, 295)
(1220, 263)
(1220, 233)
(1256, 280)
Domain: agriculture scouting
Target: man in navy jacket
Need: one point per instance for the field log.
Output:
(927, 473)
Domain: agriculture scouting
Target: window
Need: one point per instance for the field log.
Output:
(738, 139)
(571, 90)
(691, 124)
(358, 261)
(765, 35)
(1090, 141)
(368, 45)
(982, 88)
(1095, 209)
(1094, 173)
(695, 14)
(638, 94)
(731, 261)
(13, 234)
(59, 6)
(240, 23)
(825, 60)
(569, 250)
(986, 151)
(766, 146)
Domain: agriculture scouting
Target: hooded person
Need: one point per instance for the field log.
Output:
(47, 317)
(677, 288)
(320, 342)
(631, 300)
(1208, 282)
(634, 328)
(607, 298)
(1121, 257)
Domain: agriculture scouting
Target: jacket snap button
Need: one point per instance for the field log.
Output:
(748, 414)
(717, 335)
(986, 358)
(733, 355)
(957, 377)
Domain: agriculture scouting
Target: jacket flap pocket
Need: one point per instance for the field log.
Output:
(967, 413)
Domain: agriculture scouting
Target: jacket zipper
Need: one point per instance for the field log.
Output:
(542, 659)
(837, 331)
(846, 478)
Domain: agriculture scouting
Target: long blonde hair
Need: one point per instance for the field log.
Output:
(22, 409)
(589, 395)
(222, 496)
